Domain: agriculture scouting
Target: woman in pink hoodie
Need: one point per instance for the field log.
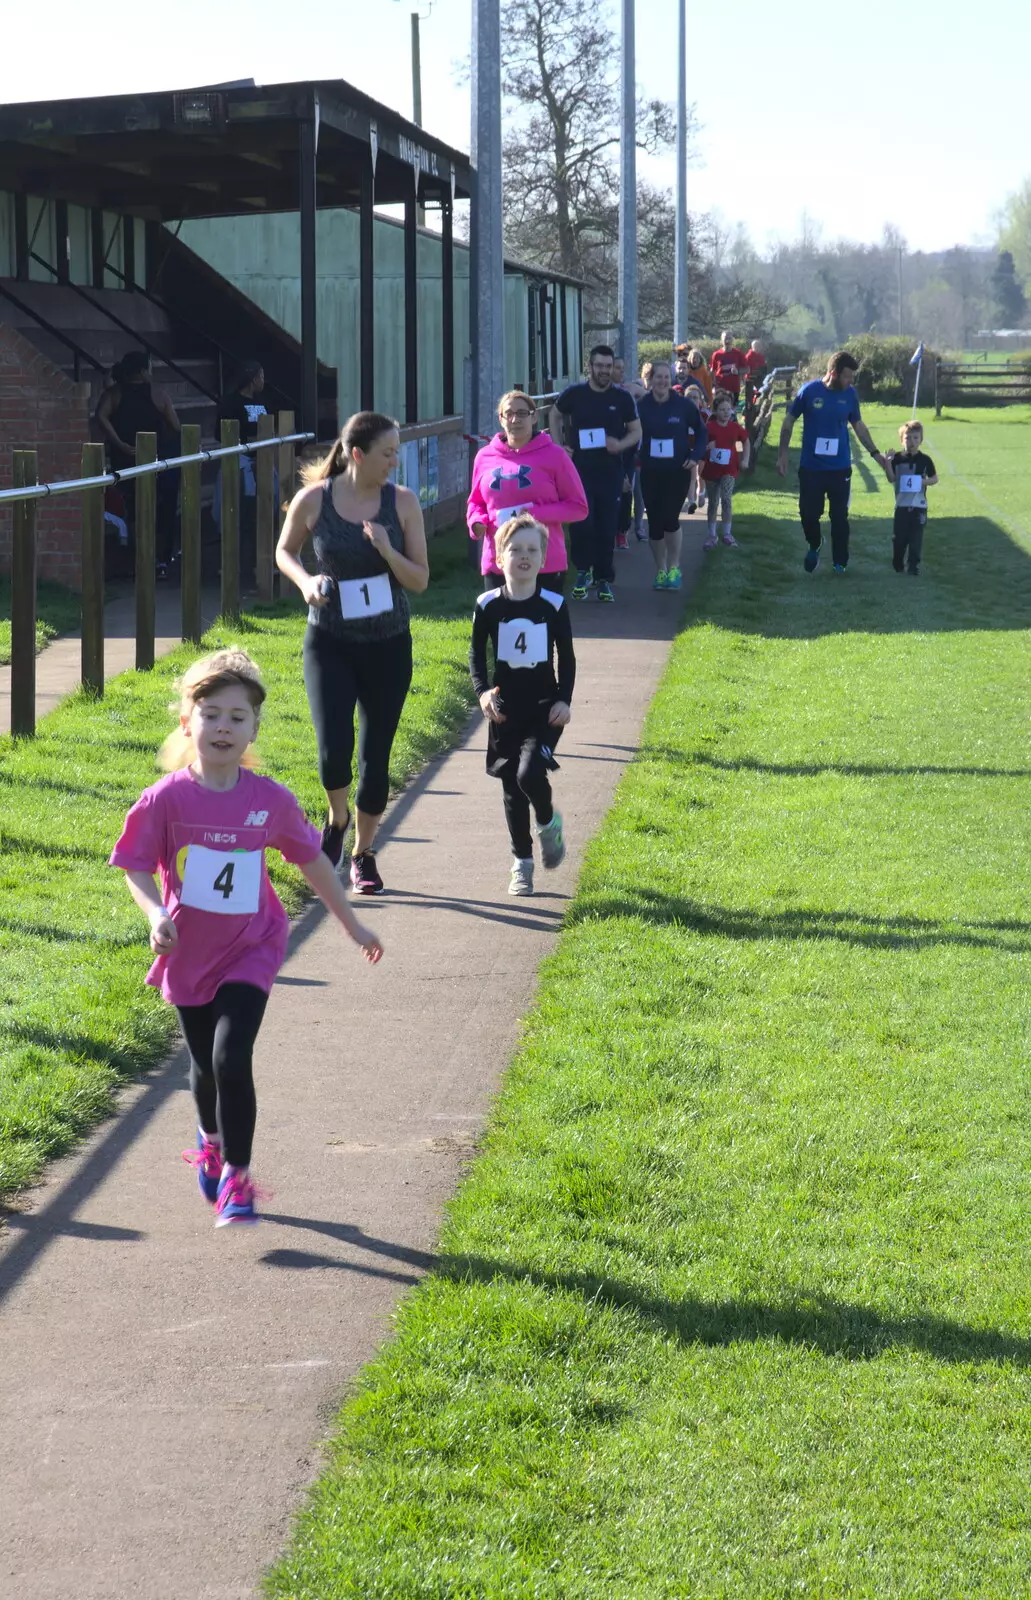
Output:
(521, 470)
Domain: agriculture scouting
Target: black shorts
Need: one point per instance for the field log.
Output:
(510, 744)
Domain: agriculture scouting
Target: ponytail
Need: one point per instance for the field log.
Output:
(358, 433)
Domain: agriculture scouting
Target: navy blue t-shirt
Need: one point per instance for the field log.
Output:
(826, 414)
(593, 415)
(673, 432)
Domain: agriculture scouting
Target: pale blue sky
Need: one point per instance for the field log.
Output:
(832, 95)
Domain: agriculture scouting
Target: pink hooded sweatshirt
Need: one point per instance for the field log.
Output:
(539, 478)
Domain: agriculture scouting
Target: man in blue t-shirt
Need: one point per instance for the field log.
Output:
(827, 407)
(603, 425)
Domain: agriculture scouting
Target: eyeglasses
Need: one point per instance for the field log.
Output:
(510, 416)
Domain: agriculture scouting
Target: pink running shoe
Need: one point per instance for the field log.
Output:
(710, 544)
(622, 543)
(207, 1158)
(235, 1200)
(365, 878)
(728, 538)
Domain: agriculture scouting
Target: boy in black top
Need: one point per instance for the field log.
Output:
(525, 703)
(911, 471)
(603, 424)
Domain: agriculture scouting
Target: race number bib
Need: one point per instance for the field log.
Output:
(509, 512)
(662, 449)
(911, 483)
(718, 457)
(365, 597)
(826, 447)
(592, 438)
(227, 882)
(523, 644)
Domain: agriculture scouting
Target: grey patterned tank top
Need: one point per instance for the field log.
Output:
(367, 602)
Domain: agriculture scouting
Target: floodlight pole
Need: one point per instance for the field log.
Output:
(627, 306)
(487, 250)
(680, 265)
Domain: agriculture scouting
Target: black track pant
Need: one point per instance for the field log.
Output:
(908, 537)
(375, 678)
(593, 541)
(526, 783)
(220, 1038)
(664, 490)
(814, 488)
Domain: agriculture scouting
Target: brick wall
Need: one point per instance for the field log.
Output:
(42, 410)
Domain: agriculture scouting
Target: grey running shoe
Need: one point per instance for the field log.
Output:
(521, 881)
(553, 846)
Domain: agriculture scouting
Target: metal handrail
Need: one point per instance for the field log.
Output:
(41, 491)
(77, 350)
(141, 339)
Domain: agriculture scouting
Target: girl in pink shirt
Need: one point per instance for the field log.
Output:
(217, 926)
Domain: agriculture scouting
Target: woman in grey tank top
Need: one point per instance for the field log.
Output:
(369, 547)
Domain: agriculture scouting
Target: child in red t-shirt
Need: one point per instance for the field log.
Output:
(722, 465)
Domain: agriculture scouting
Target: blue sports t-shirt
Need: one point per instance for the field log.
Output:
(826, 414)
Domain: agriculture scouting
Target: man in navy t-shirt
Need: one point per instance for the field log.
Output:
(827, 406)
(603, 426)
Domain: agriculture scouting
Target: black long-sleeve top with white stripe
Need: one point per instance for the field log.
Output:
(527, 638)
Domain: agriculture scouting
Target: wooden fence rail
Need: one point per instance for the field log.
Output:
(983, 383)
(275, 455)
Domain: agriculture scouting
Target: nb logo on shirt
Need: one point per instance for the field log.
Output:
(256, 819)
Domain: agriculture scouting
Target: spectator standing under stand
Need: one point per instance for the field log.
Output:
(728, 366)
(244, 406)
(604, 425)
(827, 405)
(672, 440)
(131, 405)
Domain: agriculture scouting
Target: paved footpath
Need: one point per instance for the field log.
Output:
(164, 1387)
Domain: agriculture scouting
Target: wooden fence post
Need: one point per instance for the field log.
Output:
(189, 490)
(229, 466)
(287, 453)
(146, 551)
(92, 668)
(267, 523)
(23, 599)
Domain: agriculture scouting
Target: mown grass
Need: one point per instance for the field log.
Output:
(75, 1018)
(734, 1302)
(58, 611)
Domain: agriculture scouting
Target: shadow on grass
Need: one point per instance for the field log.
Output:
(52, 935)
(812, 769)
(74, 1044)
(843, 927)
(813, 1320)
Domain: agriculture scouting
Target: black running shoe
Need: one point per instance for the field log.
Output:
(365, 878)
(333, 841)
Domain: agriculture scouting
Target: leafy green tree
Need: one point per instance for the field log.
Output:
(1008, 297)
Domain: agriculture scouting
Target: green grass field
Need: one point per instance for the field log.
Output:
(75, 1018)
(58, 611)
(733, 1304)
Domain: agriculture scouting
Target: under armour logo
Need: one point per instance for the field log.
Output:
(520, 478)
(256, 819)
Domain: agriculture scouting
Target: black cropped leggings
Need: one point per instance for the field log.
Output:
(220, 1038)
(375, 679)
(525, 783)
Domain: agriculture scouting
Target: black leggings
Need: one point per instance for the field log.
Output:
(525, 783)
(220, 1038)
(664, 490)
(376, 678)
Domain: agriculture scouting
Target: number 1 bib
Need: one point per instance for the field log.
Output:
(592, 438)
(365, 597)
(227, 882)
(523, 644)
(662, 449)
(826, 447)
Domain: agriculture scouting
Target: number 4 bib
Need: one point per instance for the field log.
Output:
(523, 644)
(227, 882)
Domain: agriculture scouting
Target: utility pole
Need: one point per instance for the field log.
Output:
(487, 262)
(627, 307)
(680, 237)
(416, 71)
(900, 289)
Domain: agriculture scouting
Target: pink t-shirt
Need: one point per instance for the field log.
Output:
(209, 848)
